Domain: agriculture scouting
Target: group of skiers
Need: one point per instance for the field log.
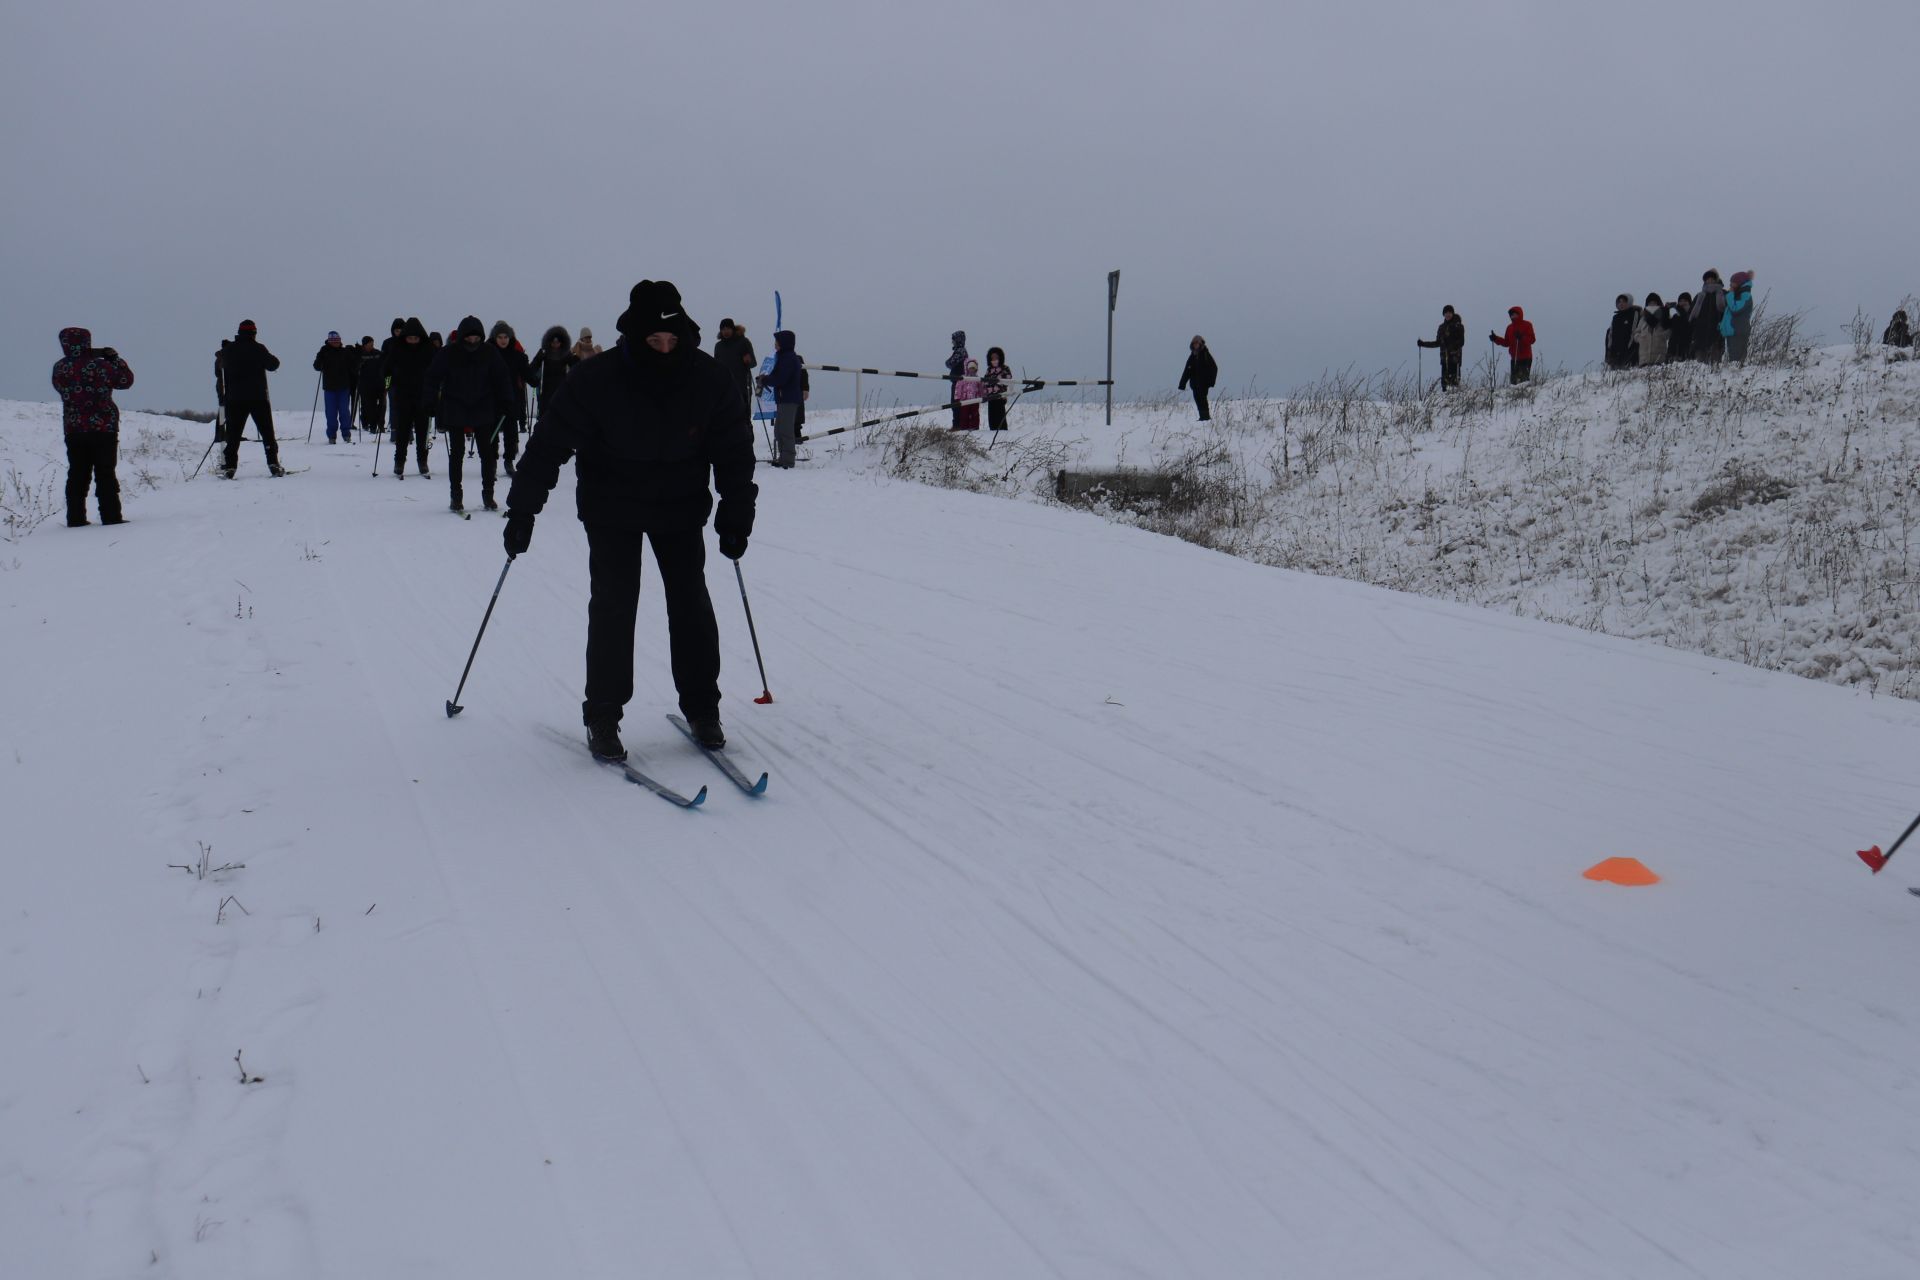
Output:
(972, 387)
(649, 428)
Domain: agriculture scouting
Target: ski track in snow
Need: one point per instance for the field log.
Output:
(1116, 908)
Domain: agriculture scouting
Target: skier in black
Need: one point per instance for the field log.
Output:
(403, 367)
(515, 356)
(647, 424)
(1451, 339)
(244, 364)
(469, 391)
(369, 390)
(550, 365)
(1898, 333)
(1201, 373)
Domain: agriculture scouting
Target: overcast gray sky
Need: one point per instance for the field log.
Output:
(1306, 185)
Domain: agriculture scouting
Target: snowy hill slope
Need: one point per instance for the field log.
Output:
(1766, 514)
(1117, 908)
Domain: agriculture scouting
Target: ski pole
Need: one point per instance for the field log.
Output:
(1876, 859)
(453, 704)
(766, 695)
(316, 406)
(218, 431)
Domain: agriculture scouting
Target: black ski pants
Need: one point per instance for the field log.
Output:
(91, 456)
(487, 438)
(1200, 402)
(1449, 368)
(409, 424)
(1520, 371)
(693, 637)
(238, 411)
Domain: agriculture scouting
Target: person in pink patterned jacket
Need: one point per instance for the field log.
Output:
(86, 378)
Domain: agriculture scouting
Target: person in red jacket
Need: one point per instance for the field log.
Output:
(86, 377)
(1519, 344)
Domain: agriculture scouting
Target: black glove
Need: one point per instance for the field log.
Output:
(109, 353)
(733, 545)
(519, 534)
(1493, 337)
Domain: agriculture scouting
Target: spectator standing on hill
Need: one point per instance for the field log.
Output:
(968, 388)
(996, 379)
(339, 368)
(1680, 329)
(246, 364)
(1200, 374)
(1653, 332)
(1736, 324)
(1708, 307)
(649, 426)
(86, 377)
(1623, 334)
(1451, 341)
(956, 370)
(586, 348)
(1898, 334)
(1518, 341)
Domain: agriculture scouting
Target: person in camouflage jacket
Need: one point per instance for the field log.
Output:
(86, 378)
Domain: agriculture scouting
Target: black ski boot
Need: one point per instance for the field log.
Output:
(603, 739)
(706, 731)
(276, 469)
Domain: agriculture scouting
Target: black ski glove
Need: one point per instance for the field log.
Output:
(733, 545)
(519, 534)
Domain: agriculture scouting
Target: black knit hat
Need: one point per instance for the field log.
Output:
(653, 306)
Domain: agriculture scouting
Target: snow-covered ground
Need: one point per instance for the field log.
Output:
(1764, 514)
(1117, 908)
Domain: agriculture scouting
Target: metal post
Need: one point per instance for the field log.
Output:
(1113, 294)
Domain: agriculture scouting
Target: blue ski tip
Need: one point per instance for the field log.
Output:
(758, 788)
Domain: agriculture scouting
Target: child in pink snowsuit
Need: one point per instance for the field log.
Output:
(966, 417)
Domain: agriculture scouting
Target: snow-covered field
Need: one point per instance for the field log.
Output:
(1765, 514)
(1117, 908)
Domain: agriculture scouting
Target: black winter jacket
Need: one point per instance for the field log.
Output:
(516, 362)
(469, 387)
(645, 443)
(1201, 371)
(1622, 351)
(1450, 336)
(736, 356)
(548, 368)
(404, 364)
(337, 367)
(369, 375)
(246, 365)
